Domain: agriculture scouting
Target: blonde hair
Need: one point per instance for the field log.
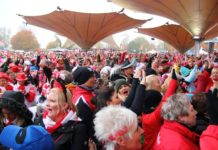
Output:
(61, 99)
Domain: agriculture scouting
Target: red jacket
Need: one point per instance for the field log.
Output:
(84, 95)
(174, 136)
(209, 138)
(82, 99)
(204, 82)
(152, 122)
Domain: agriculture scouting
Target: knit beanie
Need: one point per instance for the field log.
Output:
(118, 84)
(82, 74)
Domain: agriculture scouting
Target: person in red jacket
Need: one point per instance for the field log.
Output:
(209, 138)
(152, 120)
(179, 116)
(85, 79)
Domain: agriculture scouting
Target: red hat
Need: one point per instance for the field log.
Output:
(14, 68)
(4, 75)
(21, 77)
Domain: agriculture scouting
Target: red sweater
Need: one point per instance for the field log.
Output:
(174, 136)
(152, 122)
(209, 138)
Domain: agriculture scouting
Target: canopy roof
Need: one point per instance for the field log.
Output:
(85, 29)
(211, 33)
(196, 16)
(175, 35)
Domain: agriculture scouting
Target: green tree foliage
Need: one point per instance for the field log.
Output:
(69, 44)
(138, 44)
(24, 40)
(99, 45)
(5, 37)
(124, 43)
(163, 46)
(54, 44)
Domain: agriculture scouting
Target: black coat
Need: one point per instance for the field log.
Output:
(71, 136)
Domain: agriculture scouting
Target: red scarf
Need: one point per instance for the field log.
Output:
(51, 126)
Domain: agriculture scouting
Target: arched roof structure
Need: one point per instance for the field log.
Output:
(197, 16)
(85, 29)
(175, 35)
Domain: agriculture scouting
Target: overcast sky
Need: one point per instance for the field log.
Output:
(9, 19)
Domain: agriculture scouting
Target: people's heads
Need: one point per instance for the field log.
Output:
(87, 62)
(119, 130)
(44, 63)
(58, 102)
(60, 64)
(21, 78)
(199, 103)
(205, 64)
(214, 74)
(152, 100)
(128, 71)
(107, 96)
(4, 78)
(12, 106)
(153, 82)
(115, 73)
(191, 62)
(33, 71)
(122, 88)
(84, 76)
(105, 72)
(66, 76)
(127, 67)
(179, 108)
(16, 95)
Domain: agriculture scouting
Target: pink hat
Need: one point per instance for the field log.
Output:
(21, 77)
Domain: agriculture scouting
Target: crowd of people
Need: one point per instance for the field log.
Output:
(113, 100)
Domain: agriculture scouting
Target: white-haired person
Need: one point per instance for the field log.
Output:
(119, 130)
(153, 82)
(179, 117)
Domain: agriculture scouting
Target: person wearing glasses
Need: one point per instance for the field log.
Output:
(60, 120)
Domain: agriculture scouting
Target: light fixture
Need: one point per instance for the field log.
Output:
(196, 37)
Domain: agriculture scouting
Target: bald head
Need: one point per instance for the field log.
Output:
(153, 83)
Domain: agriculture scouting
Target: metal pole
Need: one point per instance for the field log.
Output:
(197, 47)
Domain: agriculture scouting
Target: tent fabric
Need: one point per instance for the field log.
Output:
(196, 16)
(85, 29)
(175, 35)
(211, 33)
